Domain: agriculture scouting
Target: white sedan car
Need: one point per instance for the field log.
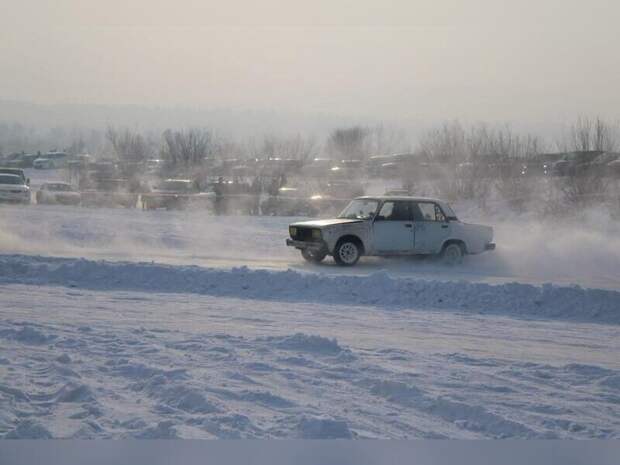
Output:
(390, 225)
(58, 193)
(14, 189)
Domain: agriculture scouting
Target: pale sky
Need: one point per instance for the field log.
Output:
(479, 59)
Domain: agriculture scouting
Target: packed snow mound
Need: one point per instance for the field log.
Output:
(379, 289)
(26, 335)
(308, 343)
(28, 429)
(75, 393)
(323, 428)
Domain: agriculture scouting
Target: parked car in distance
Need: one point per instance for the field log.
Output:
(17, 172)
(24, 160)
(176, 194)
(58, 193)
(154, 165)
(50, 161)
(332, 197)
(575, 163)
(289, 201)
(613, 167)
(107, 199)
(14, 189)
(387, 226)
(318, 167)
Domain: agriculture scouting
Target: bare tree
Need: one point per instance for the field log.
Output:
(446, 144)
(187, 148)
(77, 146)
(591, 134)
(296, 147)
(587, 182)
(456, 154)
(348, 143)
(512, 179)
(473, 161)
(383, 140)
(128, 146)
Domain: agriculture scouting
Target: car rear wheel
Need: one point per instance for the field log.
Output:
(347, 253)
(452, 254)
(313, 256)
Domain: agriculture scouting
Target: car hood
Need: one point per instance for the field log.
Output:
(325, 223)
(13, 187)
(63, 193)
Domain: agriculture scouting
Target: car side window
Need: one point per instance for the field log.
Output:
(386, 211)
(439, 216)
(394, 211)
(430, 212)
(427, 210)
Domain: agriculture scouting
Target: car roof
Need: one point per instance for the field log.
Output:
(401, 197)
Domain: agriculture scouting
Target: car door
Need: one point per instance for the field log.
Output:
(431, 227)
(393, 228)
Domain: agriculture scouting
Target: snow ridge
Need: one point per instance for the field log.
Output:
(380, 289)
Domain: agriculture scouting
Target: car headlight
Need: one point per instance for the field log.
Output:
(316, 234)
(292, 231)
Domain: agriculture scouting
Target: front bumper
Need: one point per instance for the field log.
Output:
(319, 245)
(489, 246)
(14, 197)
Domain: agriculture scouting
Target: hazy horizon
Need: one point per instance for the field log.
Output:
(529, 62)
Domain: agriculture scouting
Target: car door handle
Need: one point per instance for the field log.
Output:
(408, 226)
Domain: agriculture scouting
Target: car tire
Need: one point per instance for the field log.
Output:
(347, 253)
(452, 254)
(313, 256)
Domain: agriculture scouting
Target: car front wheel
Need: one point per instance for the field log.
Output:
(313, 256)
(347, 253)
(452, 255)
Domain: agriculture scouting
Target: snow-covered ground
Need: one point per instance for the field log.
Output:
(585, 251)
(83, 363)
(123, 323)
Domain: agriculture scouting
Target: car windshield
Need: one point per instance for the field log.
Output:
(10, 179)
(360, 209)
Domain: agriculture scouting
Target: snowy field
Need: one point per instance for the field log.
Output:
(132, 324)
(584, 251)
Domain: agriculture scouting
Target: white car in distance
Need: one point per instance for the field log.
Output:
(58, 193)
(388, 226)
(14, 189)
(50, 161)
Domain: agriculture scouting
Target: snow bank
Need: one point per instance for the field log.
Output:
(323, 428)
(582, 249)
(308, 343)
(379, 289)
(28, 429)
